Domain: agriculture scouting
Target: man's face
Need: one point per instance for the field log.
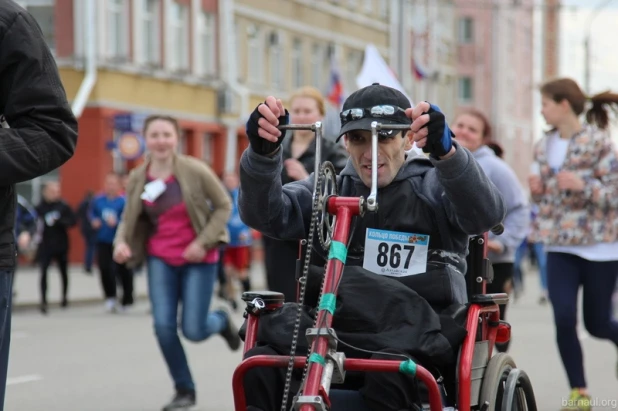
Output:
(391, 155)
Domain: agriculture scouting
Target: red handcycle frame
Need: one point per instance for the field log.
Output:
(345, 208)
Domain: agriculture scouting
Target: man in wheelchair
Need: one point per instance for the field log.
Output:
(428, 209)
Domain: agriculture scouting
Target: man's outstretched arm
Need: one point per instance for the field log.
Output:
(277, 211)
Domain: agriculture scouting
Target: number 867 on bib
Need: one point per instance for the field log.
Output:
(395, 253)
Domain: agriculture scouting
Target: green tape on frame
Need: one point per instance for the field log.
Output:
(408, 367)
(317, 358)
(328, 303)
(338, 251)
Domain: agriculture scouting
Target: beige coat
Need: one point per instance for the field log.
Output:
(208, 203)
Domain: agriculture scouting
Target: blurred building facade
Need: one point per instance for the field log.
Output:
(432, 56)
(495, 67)
(206, 62)
(210, 62)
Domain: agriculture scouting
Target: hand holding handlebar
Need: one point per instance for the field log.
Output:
(262, 131)
(429, 129)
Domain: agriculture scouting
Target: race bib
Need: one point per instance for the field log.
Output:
(51, 218)
(394, 253)
(153, 190)
(109, 215)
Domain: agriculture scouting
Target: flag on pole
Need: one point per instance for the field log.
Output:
(335, 89)
(419, 72)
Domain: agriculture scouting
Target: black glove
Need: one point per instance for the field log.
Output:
(258, 144)
(439, 136)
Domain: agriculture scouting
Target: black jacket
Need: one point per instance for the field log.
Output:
(56, 218)
(43, 131)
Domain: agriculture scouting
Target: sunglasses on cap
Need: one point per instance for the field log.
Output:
(384, 111)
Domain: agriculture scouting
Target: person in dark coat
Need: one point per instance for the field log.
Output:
(56, 218)
(88, 233)
(38, 134)
(413, 248)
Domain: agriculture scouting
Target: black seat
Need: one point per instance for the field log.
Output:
(347, 400)
(458, 312)
(269, 297)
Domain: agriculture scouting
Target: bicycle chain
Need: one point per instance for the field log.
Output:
(303, 286)
(330, 177)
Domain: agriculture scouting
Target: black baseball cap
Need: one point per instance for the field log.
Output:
(369, 97)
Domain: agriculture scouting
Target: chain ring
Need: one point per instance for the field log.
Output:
(315, 220)
(327, 188)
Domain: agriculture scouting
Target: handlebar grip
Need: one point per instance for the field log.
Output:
(499, 229)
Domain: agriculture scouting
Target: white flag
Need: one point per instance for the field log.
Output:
(375, 70)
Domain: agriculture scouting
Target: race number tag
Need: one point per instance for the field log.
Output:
(394, 253)
(153, 190)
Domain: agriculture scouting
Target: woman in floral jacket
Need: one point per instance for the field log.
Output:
(575, 185)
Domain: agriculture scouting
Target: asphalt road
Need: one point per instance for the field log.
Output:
(82, 359)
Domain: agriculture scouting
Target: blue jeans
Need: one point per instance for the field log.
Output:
(6, 280)
(191, 284)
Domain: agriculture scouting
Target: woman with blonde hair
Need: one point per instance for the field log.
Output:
(298, 150)
(574, 181)
(175, 219)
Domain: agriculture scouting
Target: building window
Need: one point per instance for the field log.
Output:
(180, 37)
(118, 29)
(317, 65)
(275, 49)
(466, 30)
(44, 16)
(150, 32)
(297, 64)
(207, 56)
(465, 89)
(255, 63)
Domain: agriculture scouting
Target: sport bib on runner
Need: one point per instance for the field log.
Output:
(394, 253)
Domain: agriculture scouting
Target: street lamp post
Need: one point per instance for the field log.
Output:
(587, 52)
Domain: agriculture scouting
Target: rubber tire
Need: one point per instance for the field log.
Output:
(519, 396)
(494, 377)
(525, 392)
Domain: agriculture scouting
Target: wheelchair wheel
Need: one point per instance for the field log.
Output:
(519, 395)
(494, 382)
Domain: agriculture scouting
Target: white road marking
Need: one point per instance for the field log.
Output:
(23, 379)
(583, 335)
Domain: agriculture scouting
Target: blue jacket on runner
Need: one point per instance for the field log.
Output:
(102, 209)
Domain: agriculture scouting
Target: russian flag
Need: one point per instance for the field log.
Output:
(419, 73)
(335, 88)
